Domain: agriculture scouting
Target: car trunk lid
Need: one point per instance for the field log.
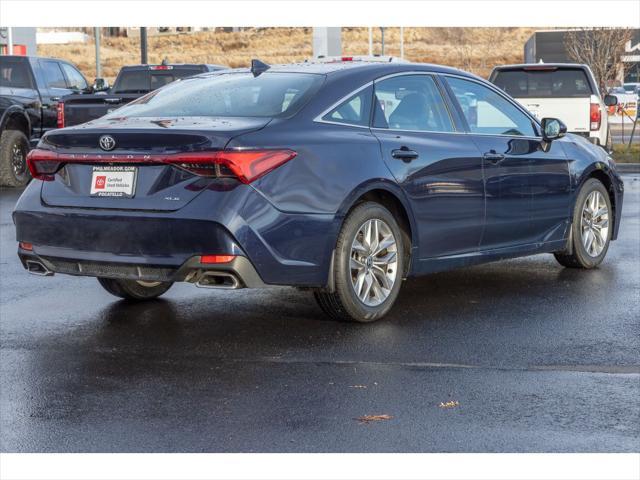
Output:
(126, 176)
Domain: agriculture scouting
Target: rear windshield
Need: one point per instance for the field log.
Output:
(143, 81)
(15, 73)
(561, 82)
(228, 95)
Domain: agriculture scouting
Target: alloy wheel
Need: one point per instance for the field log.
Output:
(595, 224)
(373, 262)
(18, 162)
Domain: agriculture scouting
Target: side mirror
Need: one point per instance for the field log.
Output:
(552, 129)
(100, 85)
(610, 100)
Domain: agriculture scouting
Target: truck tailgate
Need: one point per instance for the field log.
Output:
(574, 112)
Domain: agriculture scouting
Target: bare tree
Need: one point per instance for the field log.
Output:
(600, 48)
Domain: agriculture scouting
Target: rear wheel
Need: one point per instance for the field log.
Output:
(134, 289)
(368, 266)
(14, 147)
(591, 228)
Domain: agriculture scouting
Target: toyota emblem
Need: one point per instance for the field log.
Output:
(107, 142)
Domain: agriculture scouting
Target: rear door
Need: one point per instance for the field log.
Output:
(528, 189)
(437, 165)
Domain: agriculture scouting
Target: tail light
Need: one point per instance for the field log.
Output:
(246, 165)
(60, 114)
(595, 116)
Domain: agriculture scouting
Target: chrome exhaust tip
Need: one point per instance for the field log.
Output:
(221, 280)
(35, 267)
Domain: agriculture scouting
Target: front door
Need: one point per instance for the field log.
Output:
(437, 166)
(527, 183)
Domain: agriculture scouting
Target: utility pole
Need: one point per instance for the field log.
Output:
(9, 40)
(96, 33)
(382, 41)
(143, 45)
(370, 41)
(401, 42)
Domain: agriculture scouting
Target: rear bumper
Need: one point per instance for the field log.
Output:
(280, 248)
(238, 273)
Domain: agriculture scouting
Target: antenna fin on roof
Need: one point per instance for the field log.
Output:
(258, 67)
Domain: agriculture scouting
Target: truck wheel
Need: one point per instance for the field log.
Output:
(14, 147)
(134, 289)
(591, 227)
(368, 266)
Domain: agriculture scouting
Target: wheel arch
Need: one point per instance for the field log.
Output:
(391, 197)
(15, 118)
(602, 173)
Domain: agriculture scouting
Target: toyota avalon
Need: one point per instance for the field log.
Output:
(342, 178)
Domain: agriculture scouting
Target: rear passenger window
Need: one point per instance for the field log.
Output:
(487, 112)
(53, 75)
(411, 102)
(14, 73)
(354, 111)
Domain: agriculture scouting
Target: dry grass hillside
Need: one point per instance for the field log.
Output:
(473, 49)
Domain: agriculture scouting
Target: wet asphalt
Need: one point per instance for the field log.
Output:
(529, 356)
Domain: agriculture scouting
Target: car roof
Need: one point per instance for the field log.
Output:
(341, 68)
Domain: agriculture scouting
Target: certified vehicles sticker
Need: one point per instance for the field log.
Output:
(117, 181)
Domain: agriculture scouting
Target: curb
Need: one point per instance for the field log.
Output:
(628, 167)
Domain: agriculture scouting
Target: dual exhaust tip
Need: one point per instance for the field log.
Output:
(35, 267)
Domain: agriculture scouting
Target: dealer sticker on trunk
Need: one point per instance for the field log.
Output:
(117, 181)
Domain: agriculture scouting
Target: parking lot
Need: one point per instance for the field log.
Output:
(521, 355)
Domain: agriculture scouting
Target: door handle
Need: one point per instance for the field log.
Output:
(493, 157)
(404, 154)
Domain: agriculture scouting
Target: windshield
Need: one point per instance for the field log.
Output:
(561, 82)
(143, 81)
(228, 95)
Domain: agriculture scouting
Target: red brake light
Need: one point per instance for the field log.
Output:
(25, 246)
(216, 258)
(595, 116)
(160, 67)
(60, 114)
(347, 59)
(246, 165)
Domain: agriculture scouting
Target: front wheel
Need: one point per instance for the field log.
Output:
(591, 227)
(136, 290)
(368, 266)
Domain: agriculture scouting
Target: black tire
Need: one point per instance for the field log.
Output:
(134, 290)
(343, 303)
(14, 146)
(579, 257)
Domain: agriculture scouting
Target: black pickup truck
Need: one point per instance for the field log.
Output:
(132, 82)
(30, 89)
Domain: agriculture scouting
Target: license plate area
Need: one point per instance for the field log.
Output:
(113, 181)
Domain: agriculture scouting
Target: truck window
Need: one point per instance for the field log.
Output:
(556, 82)
(14, 73)
(132, 81)
(53, 74)
(74, 77)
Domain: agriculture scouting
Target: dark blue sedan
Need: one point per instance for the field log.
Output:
(343, 178)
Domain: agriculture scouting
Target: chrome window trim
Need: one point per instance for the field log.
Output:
(319, 119)
(502, 94)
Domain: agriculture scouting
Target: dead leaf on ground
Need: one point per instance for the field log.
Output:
(373, 418)
(449, 404)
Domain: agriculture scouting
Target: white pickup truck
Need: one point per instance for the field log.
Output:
(567, 91)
